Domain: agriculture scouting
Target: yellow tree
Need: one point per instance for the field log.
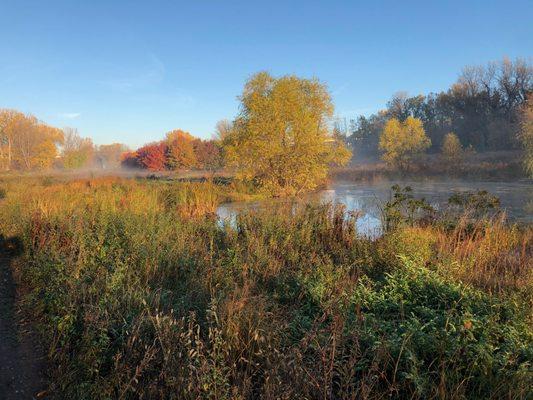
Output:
(452, 150)
(45, 153)
(527, 135)
(34, 143)
(180, 149)
(402, 142)
(281, 138)
(7, 134)
(25, 142)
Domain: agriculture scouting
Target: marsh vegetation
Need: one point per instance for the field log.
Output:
(139, 291)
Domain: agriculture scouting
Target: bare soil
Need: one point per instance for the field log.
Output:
(22, 361)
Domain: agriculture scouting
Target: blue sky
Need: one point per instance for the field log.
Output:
(128, 71)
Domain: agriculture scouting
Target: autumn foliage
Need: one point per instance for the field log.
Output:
(26, 143)
(403, 141)
(281, 138)
(179, 150)
(129, 159)
(153, 156)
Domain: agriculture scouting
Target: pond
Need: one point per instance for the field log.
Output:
(516, 198)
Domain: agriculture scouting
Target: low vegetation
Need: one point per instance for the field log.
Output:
(496, 166)
(140, 292)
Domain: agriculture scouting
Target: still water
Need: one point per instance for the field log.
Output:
(516, 198)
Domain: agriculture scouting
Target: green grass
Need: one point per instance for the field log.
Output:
(139, 292)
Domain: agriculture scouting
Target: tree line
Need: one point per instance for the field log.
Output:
(179, 150)
(482, 108)
(402, 143)
(283, 139)
(27, 144)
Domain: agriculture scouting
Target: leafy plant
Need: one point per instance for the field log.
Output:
(479, 203)
(403, 209)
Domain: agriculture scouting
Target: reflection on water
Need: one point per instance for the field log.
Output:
(516, 198)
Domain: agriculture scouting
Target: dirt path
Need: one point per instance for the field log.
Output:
(21, 362)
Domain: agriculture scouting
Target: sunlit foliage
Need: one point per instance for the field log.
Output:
(452, 150)
(25, 142)
(527, 135)
(152, 156)
(281, 138)
(180, 152)
(482, 108)
(402, 142)
(208, 154)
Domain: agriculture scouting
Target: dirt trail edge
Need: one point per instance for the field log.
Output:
(22, 363)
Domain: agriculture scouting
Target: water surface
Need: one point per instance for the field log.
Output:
(516, 198)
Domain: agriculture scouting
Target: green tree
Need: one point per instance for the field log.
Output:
(403, 142)
(452, 150)
(281, 137)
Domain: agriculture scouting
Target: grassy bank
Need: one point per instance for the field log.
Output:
(485, 166)
(139, 292)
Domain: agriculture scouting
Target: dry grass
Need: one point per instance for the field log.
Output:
(490, 255)
(141, 293)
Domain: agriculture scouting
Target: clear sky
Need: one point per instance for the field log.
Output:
(128, 71)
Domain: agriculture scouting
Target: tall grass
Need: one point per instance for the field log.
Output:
(141, 293)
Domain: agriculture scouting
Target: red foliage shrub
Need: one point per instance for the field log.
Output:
(153, 156)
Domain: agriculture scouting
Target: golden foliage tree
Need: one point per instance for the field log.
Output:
(7, 135)
(402, 142)
(452, 150)
(281, 138)
(25, 142)
(526, 134)
(37, 146)
(180, 150)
